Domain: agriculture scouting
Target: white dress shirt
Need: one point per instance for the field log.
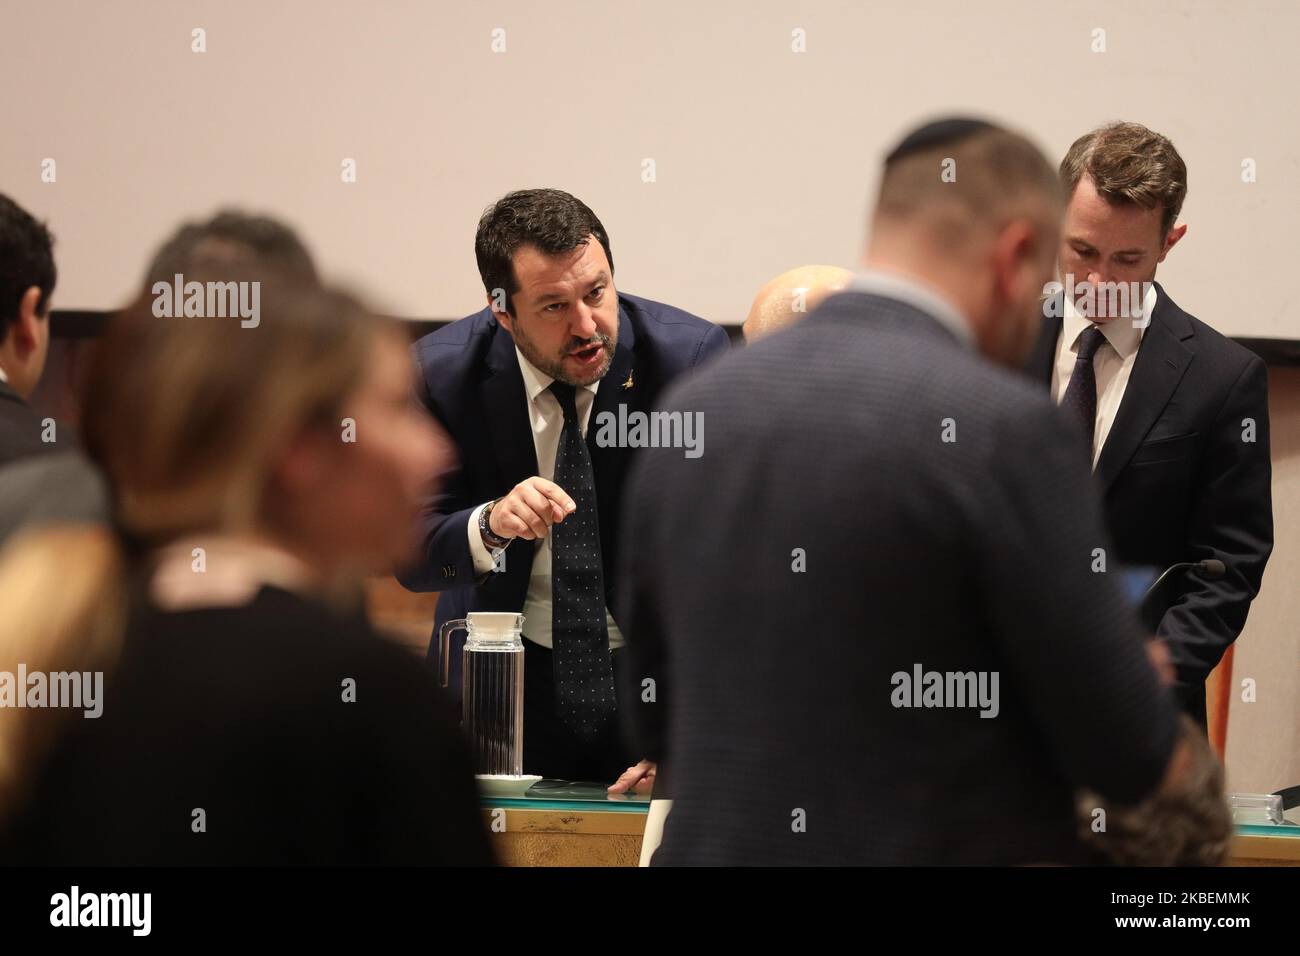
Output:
(1113, 363)
(547, 419)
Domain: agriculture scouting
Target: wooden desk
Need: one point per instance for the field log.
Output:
(1266, 846)
(566, 824)
(584, 836)
(564, 837)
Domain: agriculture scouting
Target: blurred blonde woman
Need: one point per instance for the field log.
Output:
(244, 717)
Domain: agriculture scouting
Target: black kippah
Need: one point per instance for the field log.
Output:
(939, 133)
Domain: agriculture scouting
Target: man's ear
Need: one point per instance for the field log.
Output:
(26, 328)
(497, 305)
(1015, 253)
(1171, 240)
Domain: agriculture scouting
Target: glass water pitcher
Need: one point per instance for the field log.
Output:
(492, 698)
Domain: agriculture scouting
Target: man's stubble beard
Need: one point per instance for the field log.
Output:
(553, 367)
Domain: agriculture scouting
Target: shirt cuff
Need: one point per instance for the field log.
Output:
(483, 562)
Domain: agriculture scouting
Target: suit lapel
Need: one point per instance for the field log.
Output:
(1161, 361)
(623, 384)
(506, 404)
(619, 384)
(618, 387)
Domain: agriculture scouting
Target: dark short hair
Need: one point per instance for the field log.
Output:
(26, 260)
(231, 238)
(550, 219)
(1130, 165)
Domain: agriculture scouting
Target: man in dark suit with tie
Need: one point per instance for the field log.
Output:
(863, 623)
(1176, 414)
(27, 276)
(43, 477)
(527, 389)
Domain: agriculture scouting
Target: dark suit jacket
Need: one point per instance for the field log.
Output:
(772, 705)
(20, 428)
(42, 482)
(1179, 483)
(469, 379)
(50, 489)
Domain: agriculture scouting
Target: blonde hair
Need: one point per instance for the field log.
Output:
(186, 417)
(62, 605)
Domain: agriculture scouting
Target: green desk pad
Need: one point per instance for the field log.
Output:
(570, 795)
(581, 795)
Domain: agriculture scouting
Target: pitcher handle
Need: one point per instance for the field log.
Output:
(444, 648)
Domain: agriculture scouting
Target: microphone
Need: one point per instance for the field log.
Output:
(1211, 568)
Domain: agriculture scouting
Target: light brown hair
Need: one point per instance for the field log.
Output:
(185, 415)
(1129, 163)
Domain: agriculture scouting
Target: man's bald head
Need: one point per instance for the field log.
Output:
(790, 296)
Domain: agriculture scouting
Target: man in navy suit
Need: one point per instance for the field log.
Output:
(1175, 414)
(529, 522)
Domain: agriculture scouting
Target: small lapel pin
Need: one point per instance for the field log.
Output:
(628, 383)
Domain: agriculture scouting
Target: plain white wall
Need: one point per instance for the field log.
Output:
(765, 157)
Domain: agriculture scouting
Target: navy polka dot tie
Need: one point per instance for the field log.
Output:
(1081, 394)
(584, 674)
